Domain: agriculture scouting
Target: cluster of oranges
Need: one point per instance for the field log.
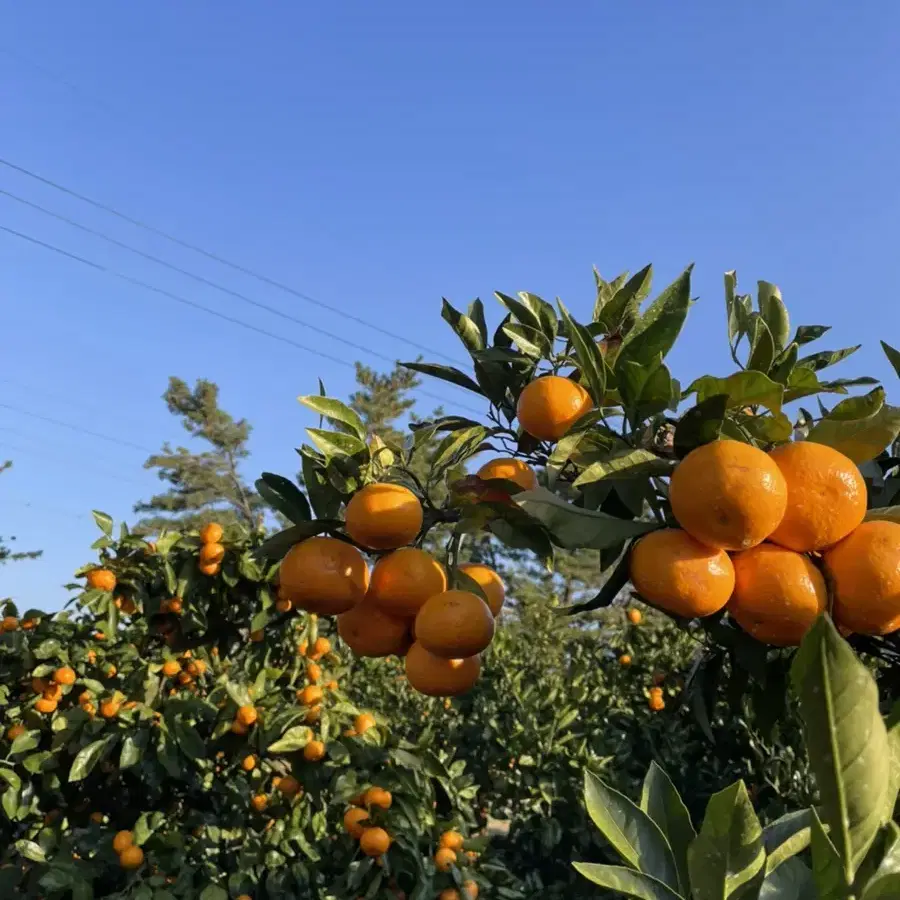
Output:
(761, 532)
(51, 691)
(373, 839)
(130, 855)
(185, 670)
(212, 552)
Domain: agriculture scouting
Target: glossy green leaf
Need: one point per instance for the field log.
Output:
(278, 545)
(785, 837)
(104, 521)
(572, 527)
(828, 874)
(445, 373)
(456, 448)
(587, 353)
(861, 439)
(625, 464)
(728, 853)
(732, 315)
(702, 424)
(293, 739)
(826, 358)
(336, 444)
(784, 364)
(741, 389)
(284, 495)
(863, 407)
(626, 881)
(31, 850)
(625, 301)
(338, 413)
(892, 355)
(661, 801)
(544, 311)
(632, 833)
(846, 739)
(469, 331)
(806, 334)
(323, 498)
(530, 341)
(885, 883)
(88, 757)
(522, 311)
(774, 313)
(611, 589)
(130, 754)
(762, 346)
(791, 881)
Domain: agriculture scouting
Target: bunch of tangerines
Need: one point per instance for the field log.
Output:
(762, 534)
(212, 552)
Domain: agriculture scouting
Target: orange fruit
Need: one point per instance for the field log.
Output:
(256, 637)
(209, 568)
(122, 840)
(455, 624)
(101, 580)
(52, 692)
(374, 841)
(376, 796)
(247, 715)
(310, 695)
(45, 705)
(321, 646)
(624, 660)
(826, 496)
(211, 533)
(212, 553)
(185, 678)
(314, 751)
(259, 802)
(449, 894)
(509, 470)
(453, 840)
(10, 623)
(314, 671)
(489, 582)
(352, 819)
(64, 675)
(656, 703)
(15, 731)
(109, 709)
(131, 857)
(283, 606)
(444, 859)
(175, 605)
(865, 574)
(383, 516)
(549, 406)
(634, 616)
(313, 714)
(728, 495)
(680, 575)
(368, 631)
(438, 677)
(89, 708)
(39, 685)
(324, 575)
(470, 889)
(363, 722)
(289, 786)
(248, 763)
(778, 594)
(403, 580)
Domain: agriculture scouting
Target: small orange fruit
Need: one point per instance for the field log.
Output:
(209, 568)
(131, 857)
(15, 731)
(454, 624)
(438, 677)
(445, 859)
(369, 631)
(211, 533)
(826, 496)
(634, 616)
(489, 582)
(453, 840)
(52, 692)
(374, 841)
(352, 819)
(321, 646)
(122, 840)
(247, 715)
(90, 709)
(508, 469)
(175, 605)
(383, 516)
(256, 637)
(212, 553)
(314, 751)
(549, 406)
(259, 802)
(310, 695)
(10, 623)
(101, 580)
(302, 647)
(449, 894)
(778, 594)
(45, 705)
(289, 786)
(470, 889)
(109, 709)
(331, 685)
(403, 580)
(625, 660)
(656, 703)
(313, 714)
(324, 575)
(64, 675)
(678, 574)
(248, 763)
(376, 796)
(865, 570)
(728, 495)
(314, 672)
(363, 722)
(171, 667)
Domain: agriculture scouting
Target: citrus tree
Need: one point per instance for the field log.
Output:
(181, 732)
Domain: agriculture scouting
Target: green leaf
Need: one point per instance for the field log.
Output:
(279, 544)
(522, 311)
(293, 739)
(846, 740)
(625, 302)
(791, 881)
(88, 757)
(892, 355)
(572, 527)
(826, 358)
(826, 864)
(468, 330)
(762, 344)
(445, 373)
(632, 833)
(213, 892)
(587, 353)
(456, 448)
(131, 752)
(617, 580)
(626, 881)
(104, 521)
(784, 364)
(659, 327)
(625, 464)
(859, 407)
(283, 494)
(336, 444)
(768, 429)
(47, 649)
(545, 313)
(806, 334)
(774, 313)
(885, 883)
(732, 313)
(702, 424)
(728, 852)
(859, 439)
(741, 389)
(661, 801)
(324, 499)
(31, 850)
(786, 837)
(530, 341)
(190, 742)
(338, 413)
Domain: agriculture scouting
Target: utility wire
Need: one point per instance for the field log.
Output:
(212, 312)
(27, 452)
(265, 279)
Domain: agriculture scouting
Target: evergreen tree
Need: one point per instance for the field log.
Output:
(7, 554)
(383, 398)
(207, 484)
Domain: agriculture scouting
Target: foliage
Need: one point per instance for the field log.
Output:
(6, 553)
(847, 846)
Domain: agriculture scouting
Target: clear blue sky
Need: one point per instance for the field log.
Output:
(379, 156)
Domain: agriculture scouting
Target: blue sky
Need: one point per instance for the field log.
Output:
(379, 156)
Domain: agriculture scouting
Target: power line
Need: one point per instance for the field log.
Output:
(244, 270)
(212, 312)
(27, 452)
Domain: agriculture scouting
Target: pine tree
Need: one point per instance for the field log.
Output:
(383, 398)
(7, 554)
(207, 484)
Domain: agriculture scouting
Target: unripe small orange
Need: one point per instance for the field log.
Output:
(289, 786)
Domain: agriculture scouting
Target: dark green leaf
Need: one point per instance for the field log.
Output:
(762, 346)
(476, 314)
(790, 881)
(625, 464)
(613, 585)
(741, 389)
(774, 313)
(190, 742)
(786, 837)
(806, 334)
(828, 874)
(892, 355)
(523, 312)
(131, 751)
(529, 340)
(590, 359)
(338, 413)
(279, 544)
(283, 494)
(826, 358)
(104, 521)
(456, 448)
(702, 424)
(626, 881)
(88, 757)
(731, 310)
(784, 364)
(662, 802)
(469, 331)
(323, 498)
(625, 301)
(445, 373)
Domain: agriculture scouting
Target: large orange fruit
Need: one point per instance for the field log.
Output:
(383, 516)
(489, 582)
(403, 580)
(728, 495)
(680, 575)
(324, 575)
(778, 594)
(510, 470)
(101, 580)
(374, 841)
(551, 405)
(369, 631)
(454, 624)
(439, 677)
(865, 572)
(826, 496)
